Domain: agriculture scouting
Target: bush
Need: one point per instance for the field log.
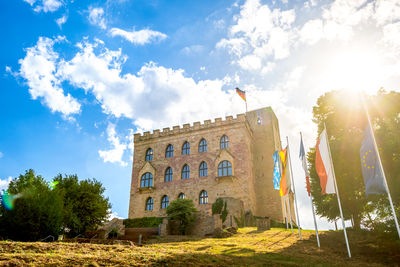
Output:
(143, 222)
(182, 211)
(219, 207)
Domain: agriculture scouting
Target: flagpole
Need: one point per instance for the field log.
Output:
(381, 166)
(290, 213)
(312, 205)
(337, 193)
(294, 187)
(284, 205)
(246, 104)
(315, 221)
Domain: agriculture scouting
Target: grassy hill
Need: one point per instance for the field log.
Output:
(277, 247)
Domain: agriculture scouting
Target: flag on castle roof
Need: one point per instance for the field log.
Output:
(241, 93)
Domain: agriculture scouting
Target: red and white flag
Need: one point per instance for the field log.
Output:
(323, 165)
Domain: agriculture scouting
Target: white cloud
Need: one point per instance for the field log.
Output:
(96, 17)
(115, 154)
(4, 183)
(45, 5)
(39, 69)
(260, 34)
(140, 37)
(60, 21)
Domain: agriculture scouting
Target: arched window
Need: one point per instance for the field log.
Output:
(224, 142)
(203, 169)
(203, 199)
(224, 168)
(149, 204)
(168, 175)
(181, 196)
(146, 180)
(164, 202)
(186, 148)
(186, 172)
(149, 154)
(169, 152)
(203, 145)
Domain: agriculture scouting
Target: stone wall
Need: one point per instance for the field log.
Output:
(252, 140)
(236, 185)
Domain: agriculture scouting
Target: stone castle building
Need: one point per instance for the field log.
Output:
(229, 159)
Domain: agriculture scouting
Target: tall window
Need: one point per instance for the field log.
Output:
(149, 154)
(224, 142)
(203, 169)
(168, 175)
(186, 172)
(203, 145)
(224, 168)
(186, 148)
(164, 202)
(149, 204)
(181, 196)
(169, 152)
(146, 180)
(203, 199)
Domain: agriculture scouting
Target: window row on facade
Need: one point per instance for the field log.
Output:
(224, 169)
(169, 151)
(203, 199)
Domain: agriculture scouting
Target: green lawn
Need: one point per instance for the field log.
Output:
(276, 247)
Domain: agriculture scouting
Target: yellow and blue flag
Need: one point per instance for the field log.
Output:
(372, 173)
(277, 170)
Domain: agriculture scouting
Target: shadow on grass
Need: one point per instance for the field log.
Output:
(367, 250)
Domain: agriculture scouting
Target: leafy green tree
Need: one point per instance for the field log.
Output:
(345, 120)
(36, 213)
(85, 206)
(183, 211)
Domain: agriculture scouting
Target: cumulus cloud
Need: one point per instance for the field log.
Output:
(4, 183)
(96, 17)
(260, 34)
(115, 154)
(39, 68)
(140, 37)
(62, 20)
(45, 5)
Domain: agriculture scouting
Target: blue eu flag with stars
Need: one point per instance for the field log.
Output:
(372, 173)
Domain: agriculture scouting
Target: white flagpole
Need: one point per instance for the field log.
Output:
(315, 221)
(284, 205)
(312, 204)
(290, 213)
(383, 172)
(337, 193)
(294, 187)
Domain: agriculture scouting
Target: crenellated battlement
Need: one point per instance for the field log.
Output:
(188, 128)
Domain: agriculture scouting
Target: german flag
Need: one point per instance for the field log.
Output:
(241, 93)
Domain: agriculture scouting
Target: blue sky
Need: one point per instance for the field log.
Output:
(78, 78)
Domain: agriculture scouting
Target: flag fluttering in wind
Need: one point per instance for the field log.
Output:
(372, 173)
(323, 164)
(303, 159)
(277, 170)
(241, 93)
(285, 178)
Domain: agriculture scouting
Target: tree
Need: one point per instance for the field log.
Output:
(85, 207)
(36, 213)
(183, 211)
(345, 120)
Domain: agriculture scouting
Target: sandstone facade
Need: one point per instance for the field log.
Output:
(252, 140)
